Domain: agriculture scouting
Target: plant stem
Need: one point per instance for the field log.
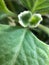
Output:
(44, 28)
(6, 10)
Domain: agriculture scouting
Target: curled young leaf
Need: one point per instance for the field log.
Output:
(24, 18)
(27, 19)
(35, 20)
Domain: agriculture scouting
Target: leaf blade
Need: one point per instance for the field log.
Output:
(33, 52)
(9, 45)
(18, 46)
(37, 6)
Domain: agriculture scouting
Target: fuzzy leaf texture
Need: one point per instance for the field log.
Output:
(19, 46)
(40, 6)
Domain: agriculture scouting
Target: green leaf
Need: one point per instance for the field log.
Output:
(18, 46)
(10, 44)
(27, 19)
(3, 7)
(2, 15)
(35, 20)
(33, 51)
(3, 27)
(24, 18)
(27, 3)
(5, 10)
(40, 6)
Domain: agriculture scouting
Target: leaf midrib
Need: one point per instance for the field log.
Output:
(15, 56)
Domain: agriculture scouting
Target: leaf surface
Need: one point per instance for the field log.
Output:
(18, 46)
(40, 6)
(10, 44)
(33, 51)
